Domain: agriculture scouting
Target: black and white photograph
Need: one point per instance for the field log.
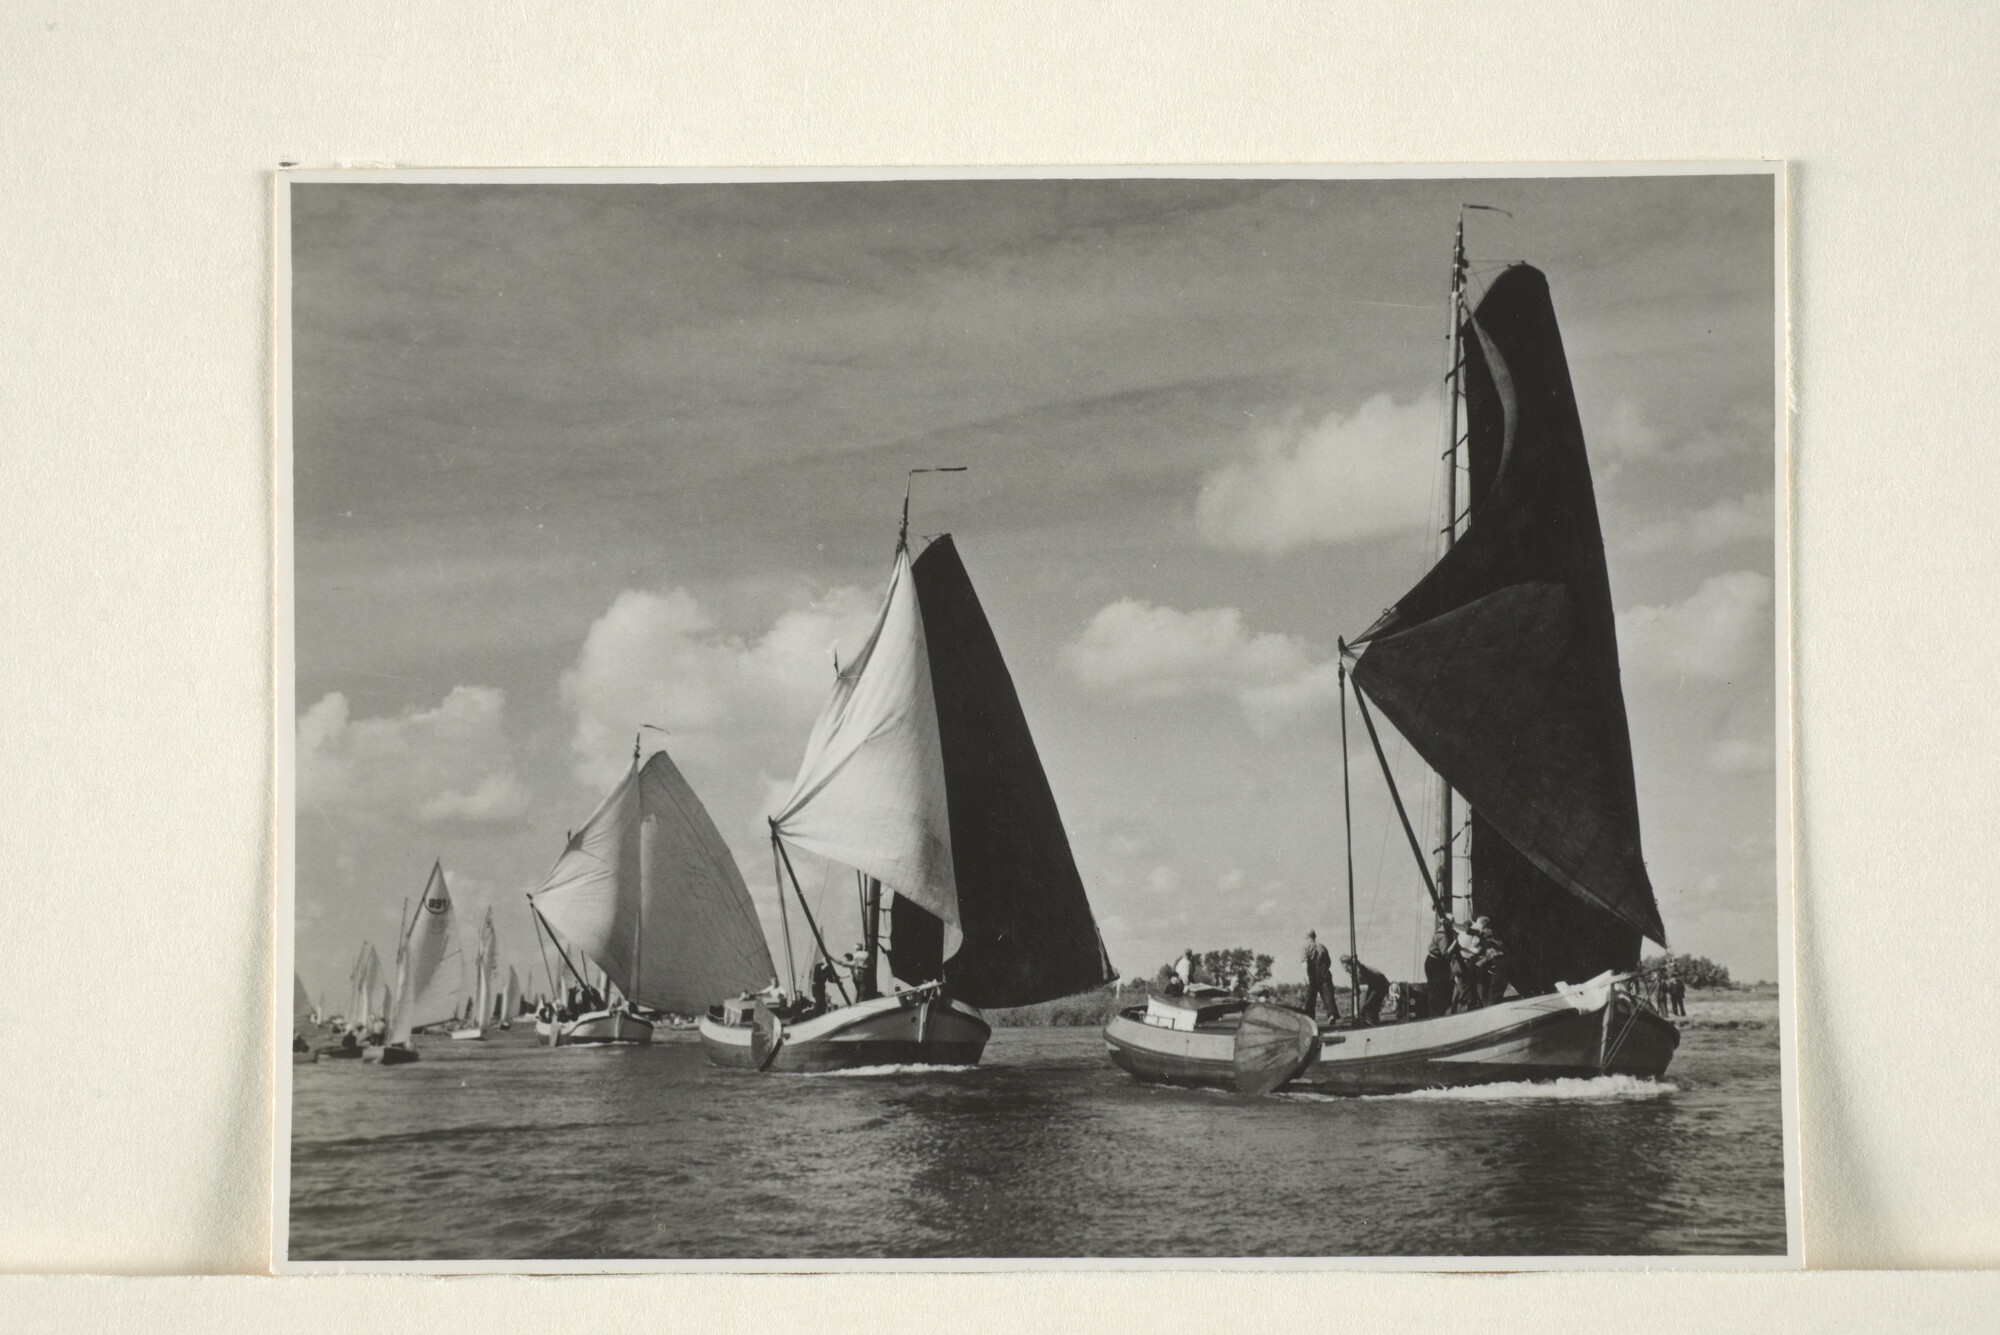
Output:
(947, 719)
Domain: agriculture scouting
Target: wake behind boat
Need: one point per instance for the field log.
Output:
(1500, 668)
(921, 776)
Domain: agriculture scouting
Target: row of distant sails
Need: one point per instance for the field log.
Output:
(920, 776)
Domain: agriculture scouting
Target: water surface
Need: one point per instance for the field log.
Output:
(505, 1150)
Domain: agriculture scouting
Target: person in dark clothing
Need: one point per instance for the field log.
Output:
(1677, 990)
(1489, 962)
(822, 978)
(1374, 988)
(1439, 984)
(1661, 992)
(1319, 977)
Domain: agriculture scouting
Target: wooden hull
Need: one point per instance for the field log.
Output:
(909, 1029)
(1582, 1032)
(335, 1053)
(395, 1054)
(471, 1032)
(595, 1028)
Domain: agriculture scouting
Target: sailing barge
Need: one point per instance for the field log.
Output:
(921, 776)
(1500, 667)
(649, 894)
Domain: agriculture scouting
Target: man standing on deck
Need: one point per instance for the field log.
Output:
(1439, 984)
(1374, 987)
(1319, 977)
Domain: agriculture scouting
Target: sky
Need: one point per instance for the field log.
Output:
(569, 459)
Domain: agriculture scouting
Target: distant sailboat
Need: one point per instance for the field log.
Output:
(1500, 668)
(362, 981)
(476, 1017)
(302, 1021)
(427, 991)
(922, 776)
(509, 1004)
(647, 895)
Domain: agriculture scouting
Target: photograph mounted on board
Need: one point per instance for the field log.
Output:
(960, 718)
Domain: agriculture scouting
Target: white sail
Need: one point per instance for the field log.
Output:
(359, 981)
(650, 895)
(870, 792)
(482, 996)
(368, 977)
(510, 998)
(428, 991)
(302, 1007)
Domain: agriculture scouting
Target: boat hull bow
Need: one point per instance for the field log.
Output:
(918, 1028)
(1578, 1033)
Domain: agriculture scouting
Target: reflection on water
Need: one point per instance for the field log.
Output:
(505, 1150)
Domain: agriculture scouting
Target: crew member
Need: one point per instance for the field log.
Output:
(1438, 981)
(1184, 968)
(1375, 987)
(856, 962)
(1488, 960)
(1677, 990)
(1319, 977)
(822, 976)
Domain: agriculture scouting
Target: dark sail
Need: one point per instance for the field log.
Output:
(1029, 933)
(1501, 665)
(916, 943)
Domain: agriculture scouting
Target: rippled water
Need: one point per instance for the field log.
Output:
(504, 1150)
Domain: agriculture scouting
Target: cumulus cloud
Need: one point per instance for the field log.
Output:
(1342, 478)
(497, 797)
(1742, 519)
(1720, 632)
(1625, 433)
(451, 763)
(1139, 652)
(661, 658)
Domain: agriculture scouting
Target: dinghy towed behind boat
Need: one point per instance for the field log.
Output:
(649, 894)
(1501, 669)
(922, 776)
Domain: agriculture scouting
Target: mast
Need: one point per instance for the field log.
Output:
(647, 829)
(1454, 394)
(871, 937)
(1347, 824)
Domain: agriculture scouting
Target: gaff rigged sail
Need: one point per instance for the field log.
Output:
(649, 893)
(1501, 666)
(1028, 932)
(871, 790)
(921, 773)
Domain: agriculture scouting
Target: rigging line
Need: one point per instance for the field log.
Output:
(1416, 848)
(554, 942)
(784, 919)
(786, 858)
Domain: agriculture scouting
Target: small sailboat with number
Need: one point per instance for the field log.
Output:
(645, 908)
(921, 777)
(430, 973)
(1500, 668)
